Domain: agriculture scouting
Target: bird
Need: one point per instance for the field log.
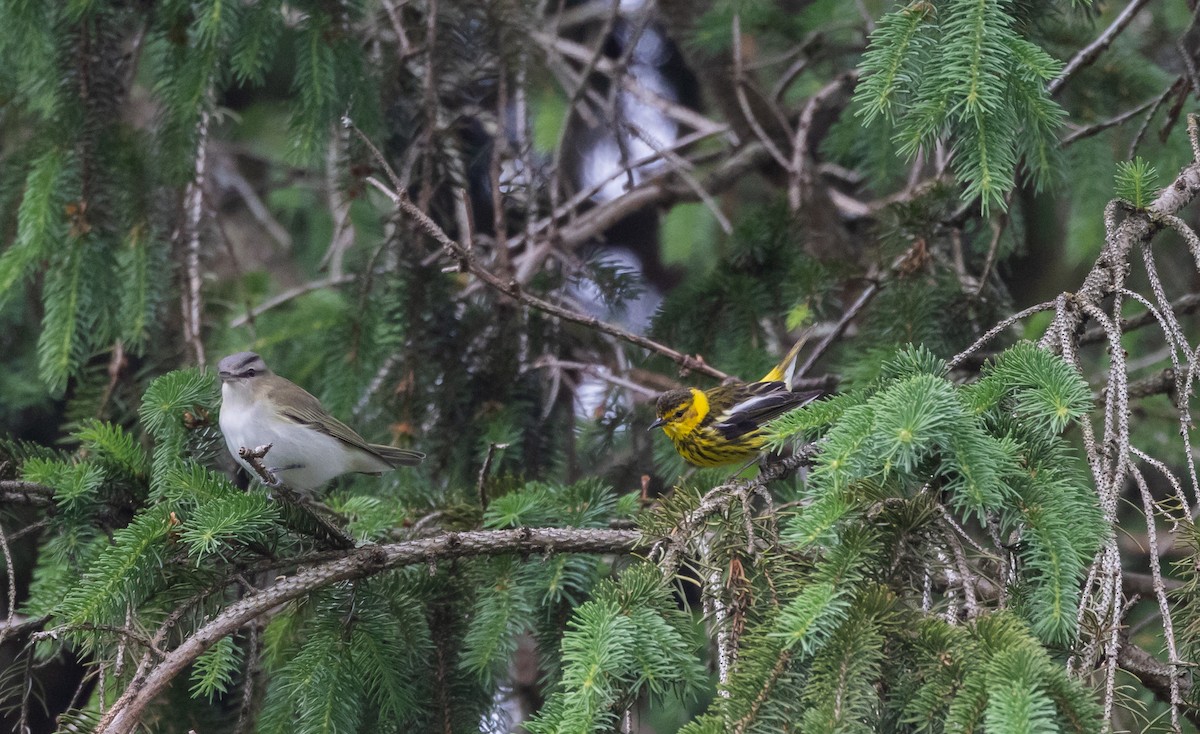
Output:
(309, 446)
(723, 425)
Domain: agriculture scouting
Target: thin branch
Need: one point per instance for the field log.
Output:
(17, 492)
(1159, 678)
(1150, 113)
(371, 560)
(1092, 51)
(660, 191)
(598, 371)
(327, 530)
(289, 295)
(1160, 594)
(11, 573)
(254, 458)
(1181, 306)
(739, 88)
(996, 330)
(480, 487)
(1099, 127)
(863, 299)
(513, 290)
(189, 235)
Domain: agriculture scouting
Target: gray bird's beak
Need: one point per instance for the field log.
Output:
(225, 375)
(657, 424)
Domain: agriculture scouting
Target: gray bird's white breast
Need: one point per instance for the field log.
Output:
(301, 457)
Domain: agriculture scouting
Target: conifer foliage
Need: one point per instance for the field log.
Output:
(494, 232)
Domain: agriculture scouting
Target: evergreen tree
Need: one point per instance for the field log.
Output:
(452, 222)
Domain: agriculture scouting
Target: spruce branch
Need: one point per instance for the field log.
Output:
(1108, 271)
(326, 530)
(18, 492)
(669, 551)
(1111, 456)
(359, 563)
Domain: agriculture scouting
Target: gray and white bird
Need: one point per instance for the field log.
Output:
(308, 445)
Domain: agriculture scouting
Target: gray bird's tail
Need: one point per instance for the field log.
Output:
(398, 457)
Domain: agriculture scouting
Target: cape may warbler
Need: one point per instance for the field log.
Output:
(723, 425)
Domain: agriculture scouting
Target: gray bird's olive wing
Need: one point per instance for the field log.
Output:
(307, 410)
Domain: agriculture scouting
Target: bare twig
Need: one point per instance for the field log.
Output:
(1092, 51)
(800, 174)
(1160, 594)
(513, 290)
(11, 573)
(1180, 306)
(598, 371)
(289, 295)
(1150, 113)
(480, 489)
(859, 304)
(1099, 127)
(254, 458)
(189, 235)
(739, 87)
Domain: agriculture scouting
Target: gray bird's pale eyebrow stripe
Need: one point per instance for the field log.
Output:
(249, 358)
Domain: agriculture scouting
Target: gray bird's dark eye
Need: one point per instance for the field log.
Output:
(249, 373)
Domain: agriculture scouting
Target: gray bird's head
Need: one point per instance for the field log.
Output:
(241, 367)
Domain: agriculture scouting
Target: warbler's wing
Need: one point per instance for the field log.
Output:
(760, 402)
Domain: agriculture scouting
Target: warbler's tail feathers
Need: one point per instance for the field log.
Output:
(785, 371)
(398, 457)
(804, 398)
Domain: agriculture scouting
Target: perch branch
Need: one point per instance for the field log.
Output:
(370, 560)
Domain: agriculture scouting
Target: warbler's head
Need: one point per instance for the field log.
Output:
(242, 368)
(680, 410)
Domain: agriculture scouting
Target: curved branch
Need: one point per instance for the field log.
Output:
(1136, 228)
(362, 562)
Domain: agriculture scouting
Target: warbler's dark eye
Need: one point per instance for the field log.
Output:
(249, 373)
(678, 414)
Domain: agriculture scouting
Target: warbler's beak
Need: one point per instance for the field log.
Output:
(225, 375)
(657, 424)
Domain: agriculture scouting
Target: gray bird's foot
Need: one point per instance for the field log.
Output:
(275, 472)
